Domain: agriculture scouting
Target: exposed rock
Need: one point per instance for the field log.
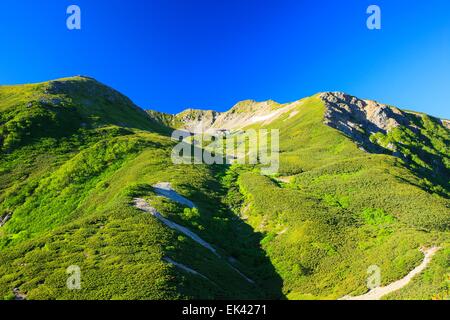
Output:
(371, 115)
(197, 120)
(240, 116)
(359, 119)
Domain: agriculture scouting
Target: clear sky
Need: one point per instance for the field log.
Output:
(173, 54)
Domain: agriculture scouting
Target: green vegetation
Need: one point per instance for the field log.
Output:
(433, 283)
(70, 195)
(343, 210)
(425, 150)
(74, 154)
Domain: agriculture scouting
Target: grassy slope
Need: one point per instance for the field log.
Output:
(343, 211)
(70, 183)
(425, 146)
(70, 194)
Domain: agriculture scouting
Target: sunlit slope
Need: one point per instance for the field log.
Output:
(67, 199)
(120, 249)
(335, 210)
(75, 155)
(61, 107)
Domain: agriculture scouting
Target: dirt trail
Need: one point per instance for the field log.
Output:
(378, 293)
(165, 189)
(185, 268)
(144, 206)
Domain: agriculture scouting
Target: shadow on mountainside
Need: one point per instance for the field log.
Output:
(236, 244)
(243, 243)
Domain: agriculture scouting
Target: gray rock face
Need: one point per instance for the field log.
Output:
(240, 116)
(359, 118)
(372, 115)
(197, 120)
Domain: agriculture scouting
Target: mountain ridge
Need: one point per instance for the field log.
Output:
(71, 171)
(240, 106)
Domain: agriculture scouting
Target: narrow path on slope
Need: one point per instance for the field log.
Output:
(185, 268)
(144, 206)
(378, 293)
(165, 189)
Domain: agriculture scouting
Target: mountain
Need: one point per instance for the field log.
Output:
(86, 180)
(60, 108)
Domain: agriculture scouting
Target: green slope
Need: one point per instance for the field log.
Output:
(70, 195)
(74, 154)
(60, 108)
(342, 210)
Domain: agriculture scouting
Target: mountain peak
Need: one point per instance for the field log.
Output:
(253, 105)
(75, 78)
(375, 116)
(359, 119)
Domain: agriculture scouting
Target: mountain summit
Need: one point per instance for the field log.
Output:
(421, 141)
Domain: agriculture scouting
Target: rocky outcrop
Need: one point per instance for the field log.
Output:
(351, 111)
(240, 116)
(194, 120)
(359, 119)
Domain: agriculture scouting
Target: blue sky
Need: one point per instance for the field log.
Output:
(173, 54)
